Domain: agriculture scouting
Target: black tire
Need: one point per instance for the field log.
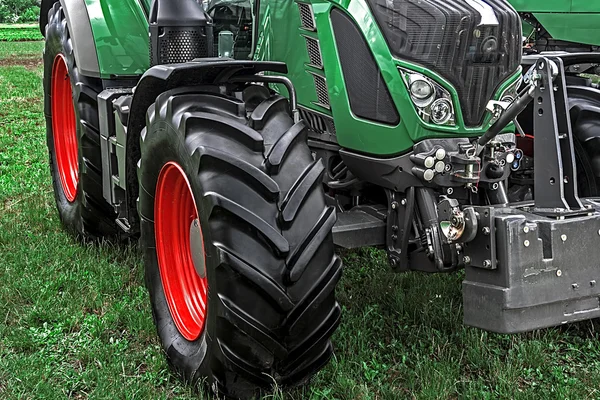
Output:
(584, 103)
(271, 266)
(88, 216)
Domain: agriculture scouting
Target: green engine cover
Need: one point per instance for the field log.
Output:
(570, 20)
(281, 38)
(120, 29)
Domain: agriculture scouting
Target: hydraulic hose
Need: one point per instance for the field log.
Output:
(506, 118)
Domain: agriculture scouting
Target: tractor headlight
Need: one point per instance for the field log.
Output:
(432, 101)
(441, 111)
(421, 90)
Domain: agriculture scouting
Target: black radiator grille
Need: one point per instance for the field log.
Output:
(322, 91)
(306, 16)
(179, 46)
(314, 52)
(317, 122)
(447, 37)
(367, 91)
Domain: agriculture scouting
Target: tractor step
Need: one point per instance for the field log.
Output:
(546, 270)
(359, 227)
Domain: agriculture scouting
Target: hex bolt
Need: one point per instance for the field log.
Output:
(563, 238)
(395, 228)
(526, 229)
(593, 283)
(558, 272)
(486, 230)
(394, 205)
(526, 243)
(394, 237)
(487, 264)
(403, 202)
(575, 286)
(467, 260)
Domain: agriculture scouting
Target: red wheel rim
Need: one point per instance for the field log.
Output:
(174, 213)
(64, 129)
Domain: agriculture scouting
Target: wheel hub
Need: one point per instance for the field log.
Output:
(180, 251)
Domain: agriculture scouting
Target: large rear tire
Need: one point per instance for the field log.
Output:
(229, 191)
(73, 138)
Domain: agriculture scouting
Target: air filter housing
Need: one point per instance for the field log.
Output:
(179, 32)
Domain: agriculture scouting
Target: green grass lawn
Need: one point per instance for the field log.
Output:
(75, 320)
(19, 32)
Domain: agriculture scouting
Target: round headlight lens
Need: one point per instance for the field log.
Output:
(421, 89)
(441, 111)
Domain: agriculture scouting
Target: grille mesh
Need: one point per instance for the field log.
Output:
(447, 37)
(314, 52)
(317, 122)
(367, 91)
(179, 46)
(322, 92)
(307, 16)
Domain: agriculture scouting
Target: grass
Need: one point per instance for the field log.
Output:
(75, 320)
(19, 32)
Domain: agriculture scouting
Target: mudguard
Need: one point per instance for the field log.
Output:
(81, 33)
(162, 78)
(110, 37)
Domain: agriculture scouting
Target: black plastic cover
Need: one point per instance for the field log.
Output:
(472, 48)
(367, 91)
(179, 32)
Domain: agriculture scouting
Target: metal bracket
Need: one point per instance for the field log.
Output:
(555, 188)
(400, 217)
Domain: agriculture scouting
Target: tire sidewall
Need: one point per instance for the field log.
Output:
(56, 38)
(164, 144)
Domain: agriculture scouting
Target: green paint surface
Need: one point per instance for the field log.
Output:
(570, 20)
(281, 38)
(120, 29)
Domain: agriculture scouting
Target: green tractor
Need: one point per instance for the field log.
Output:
(243, 141)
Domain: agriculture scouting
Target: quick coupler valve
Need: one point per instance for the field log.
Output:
(429, 164)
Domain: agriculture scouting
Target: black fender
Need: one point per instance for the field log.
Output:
(80, 28)
(162, 78)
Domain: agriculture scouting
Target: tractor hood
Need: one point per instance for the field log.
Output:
(474, 44)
